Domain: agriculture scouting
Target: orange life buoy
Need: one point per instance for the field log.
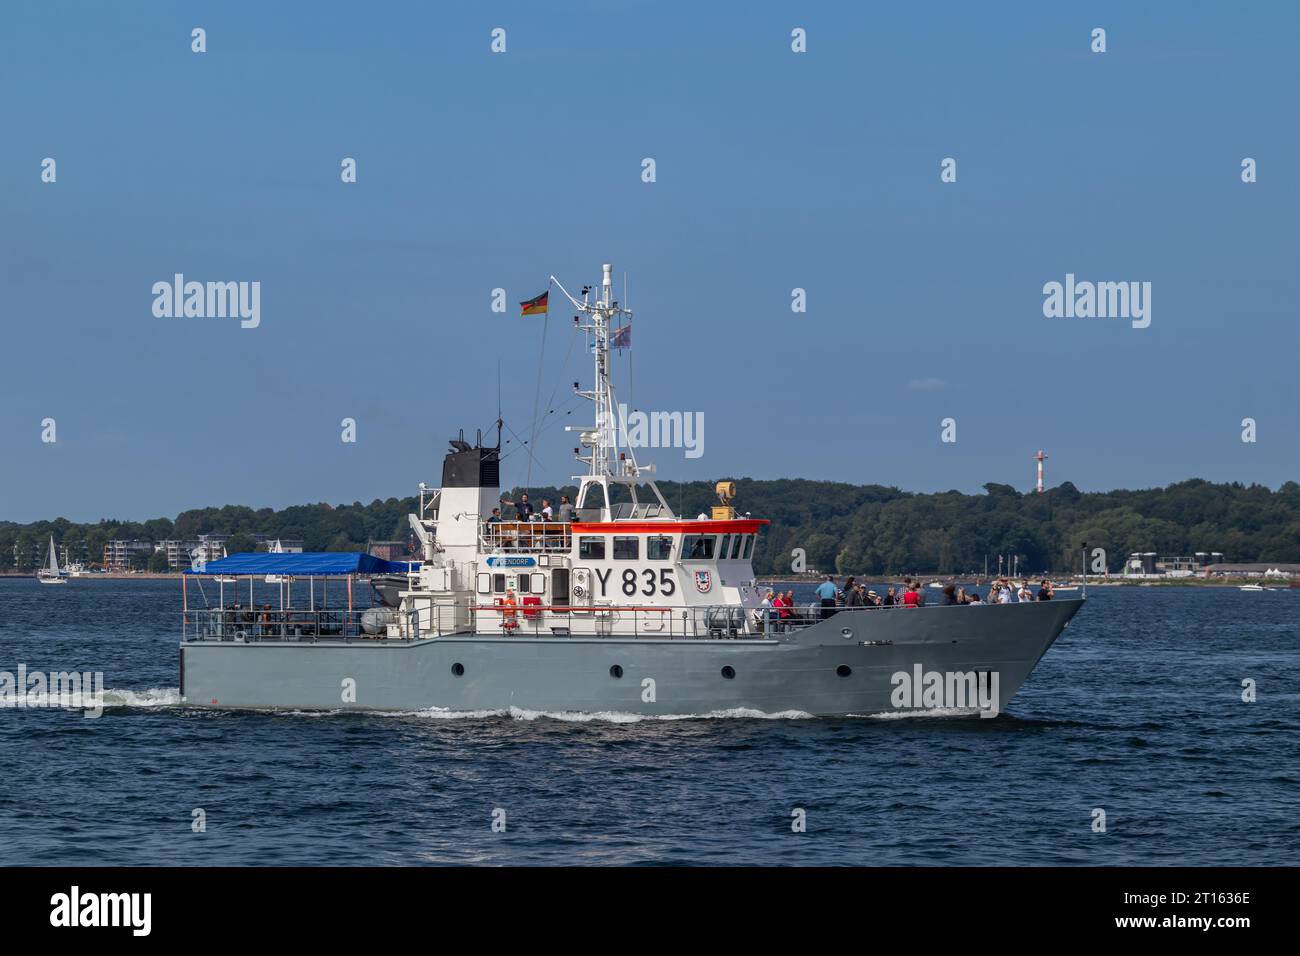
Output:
(508, 613)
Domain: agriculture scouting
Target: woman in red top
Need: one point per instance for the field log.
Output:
(911, 598)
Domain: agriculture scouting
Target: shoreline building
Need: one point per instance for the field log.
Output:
(1148, 564)
(177, 551)
(119, 551)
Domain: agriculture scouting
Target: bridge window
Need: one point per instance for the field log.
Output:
(749, 546)
(591, 549)
(722, 548)
(659, 547)
(697, 547)
(626, 548)
(736, 542)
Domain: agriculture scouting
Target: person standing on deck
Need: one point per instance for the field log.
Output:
(509, 621)
(826, 591)
(566, 509)
(523, 509)
(765, 610)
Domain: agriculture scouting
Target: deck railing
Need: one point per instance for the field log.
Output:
(296, 624)
(703, 622)
(515, 537)
(433, 620)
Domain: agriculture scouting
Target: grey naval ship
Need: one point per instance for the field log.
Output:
(624, 608)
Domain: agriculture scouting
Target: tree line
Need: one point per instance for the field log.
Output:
(841, 527)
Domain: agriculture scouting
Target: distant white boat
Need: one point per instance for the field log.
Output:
(50, 574)
(1253, 587)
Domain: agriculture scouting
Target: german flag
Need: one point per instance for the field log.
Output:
(535, 306)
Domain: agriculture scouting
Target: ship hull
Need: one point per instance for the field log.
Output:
(846, 664)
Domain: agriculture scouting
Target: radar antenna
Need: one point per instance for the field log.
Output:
(609, 457)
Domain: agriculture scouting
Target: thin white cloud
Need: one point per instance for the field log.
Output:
(926, 385)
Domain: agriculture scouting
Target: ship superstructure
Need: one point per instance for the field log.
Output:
(625, 563)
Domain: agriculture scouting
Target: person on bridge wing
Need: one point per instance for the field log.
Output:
(522, 508)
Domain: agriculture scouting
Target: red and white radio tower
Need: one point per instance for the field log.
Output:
(1040, 458)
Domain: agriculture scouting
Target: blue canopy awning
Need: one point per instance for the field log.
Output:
(305, 564)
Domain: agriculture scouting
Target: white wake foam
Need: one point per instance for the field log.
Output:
(171, 697)
(152, 697)
(932, 712)
(604, 716)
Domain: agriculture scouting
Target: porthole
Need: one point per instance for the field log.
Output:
(844, 670)
(846, 633)
(616, 671)
(728, 672)
(458, 669)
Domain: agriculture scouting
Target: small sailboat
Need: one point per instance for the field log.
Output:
(226, 578)
(50, 574)
(276, 548)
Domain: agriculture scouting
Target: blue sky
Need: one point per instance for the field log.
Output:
(775, 170)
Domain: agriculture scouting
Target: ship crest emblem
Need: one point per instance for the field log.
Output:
(703, 581)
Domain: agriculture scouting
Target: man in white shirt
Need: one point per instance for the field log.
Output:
(765, 611)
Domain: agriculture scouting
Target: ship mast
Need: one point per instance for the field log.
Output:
(608, 462)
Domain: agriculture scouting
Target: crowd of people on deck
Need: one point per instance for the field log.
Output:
(779, 606)
(524, 510)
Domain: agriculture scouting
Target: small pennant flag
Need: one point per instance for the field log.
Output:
(536, 306)
(622, 337)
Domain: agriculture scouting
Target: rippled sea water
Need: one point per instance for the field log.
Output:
(1136, 710)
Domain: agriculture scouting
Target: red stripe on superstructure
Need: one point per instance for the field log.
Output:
(735, 526)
